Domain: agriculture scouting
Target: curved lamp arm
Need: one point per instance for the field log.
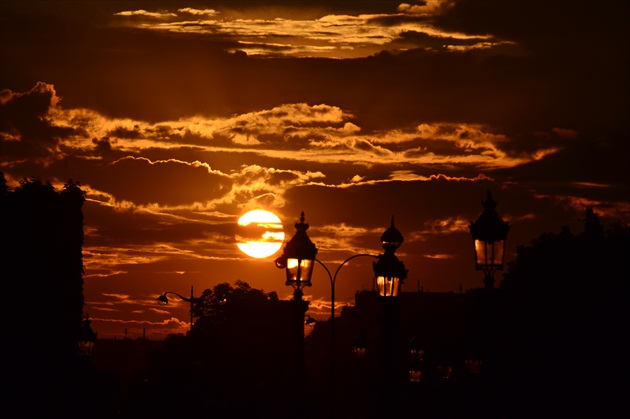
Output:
(333, 278)
(163, 299)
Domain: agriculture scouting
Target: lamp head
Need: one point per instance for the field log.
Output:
(489, 233)
(298, 257)
(390, 272)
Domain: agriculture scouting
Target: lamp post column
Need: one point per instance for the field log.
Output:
(489, 233)
(299, 307)
(390, 273)
(389, 356)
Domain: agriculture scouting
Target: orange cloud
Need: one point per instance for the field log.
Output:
(428, 8)
(332, 35)
(144, 13)
(317, 133)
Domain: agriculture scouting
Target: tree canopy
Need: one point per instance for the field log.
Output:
(41, 255)
(41, 265)
(236, 360)
(564, 309)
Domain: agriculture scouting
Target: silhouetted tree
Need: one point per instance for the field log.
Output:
(565, 296)
(224, 298)
(3, 185)
(41, 238)
(235, 362)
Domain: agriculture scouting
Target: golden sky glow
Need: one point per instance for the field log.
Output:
(178, 119)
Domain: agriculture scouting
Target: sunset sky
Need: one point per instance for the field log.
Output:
(178, 117)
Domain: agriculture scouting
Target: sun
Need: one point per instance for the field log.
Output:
(260, 233)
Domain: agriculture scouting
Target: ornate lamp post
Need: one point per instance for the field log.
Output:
(163, 299)
(390, 273)
(489, 233)
(299, 257)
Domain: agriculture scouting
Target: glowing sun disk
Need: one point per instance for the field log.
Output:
(261, 234)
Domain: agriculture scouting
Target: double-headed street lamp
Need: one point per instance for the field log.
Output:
(489, 233)
(163, 299)
(299, 257)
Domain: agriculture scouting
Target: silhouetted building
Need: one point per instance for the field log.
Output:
(41, 238)
(433, 354)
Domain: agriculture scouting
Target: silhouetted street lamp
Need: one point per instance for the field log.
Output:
(162, 299)
(87, 337)
(300, 253)
(489, 233)
(299, 256)
(297, 259)
(390, 274)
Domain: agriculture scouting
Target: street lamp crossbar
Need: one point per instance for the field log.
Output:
(163, 299)
(333, 278)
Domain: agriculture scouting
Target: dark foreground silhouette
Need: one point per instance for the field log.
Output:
(547, 343)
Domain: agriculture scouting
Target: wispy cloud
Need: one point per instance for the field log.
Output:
(318, 133)
(332, 35)
(144, 13)
(427, 8)
(199, 12)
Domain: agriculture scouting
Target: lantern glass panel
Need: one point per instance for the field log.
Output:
(292, 263)
(388, 286)
(360, 352)
(85, 347)
(497, 259)
(489, 254)
(299, 271)
(480, 252)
